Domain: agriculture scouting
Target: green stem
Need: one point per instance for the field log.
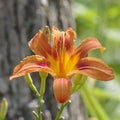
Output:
(43, 83)
(40, 94)
(29, 81)
(58, 116)
(42, 91)
(79, 80)
(35, 115)
(97, 109)
(40, 108)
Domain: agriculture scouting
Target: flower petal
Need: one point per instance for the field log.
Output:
(86, 46)
(30, 64)
(63, 41)
(39, 44)
(94, 68)
(62, 89)
(70, 37)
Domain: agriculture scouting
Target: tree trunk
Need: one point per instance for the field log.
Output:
(19, 21)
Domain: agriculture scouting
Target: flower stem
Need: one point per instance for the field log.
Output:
(60, 110)
(40, 108)
(42, 91)
(39, 94)
(29, 81)
(79, 81)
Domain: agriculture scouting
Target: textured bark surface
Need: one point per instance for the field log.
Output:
(19, 21)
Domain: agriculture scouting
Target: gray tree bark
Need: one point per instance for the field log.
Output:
(19, 21)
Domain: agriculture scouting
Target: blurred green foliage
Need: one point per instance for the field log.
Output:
(101, 19)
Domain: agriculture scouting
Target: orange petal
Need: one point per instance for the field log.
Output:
(30, 64)
(39, 44)
(63, 41)
(86, 46)
(57, 40)
(94, 68)
(62, 89)
(70, 37)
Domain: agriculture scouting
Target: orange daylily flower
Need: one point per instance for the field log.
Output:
(62, 60)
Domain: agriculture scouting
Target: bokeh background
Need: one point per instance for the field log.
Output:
(101, 18)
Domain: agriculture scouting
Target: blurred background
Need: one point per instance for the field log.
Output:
(21, 19)
(101, 18)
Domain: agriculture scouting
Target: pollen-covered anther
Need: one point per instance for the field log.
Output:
(62, 89)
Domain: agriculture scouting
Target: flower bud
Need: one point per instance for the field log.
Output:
(3, 108)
